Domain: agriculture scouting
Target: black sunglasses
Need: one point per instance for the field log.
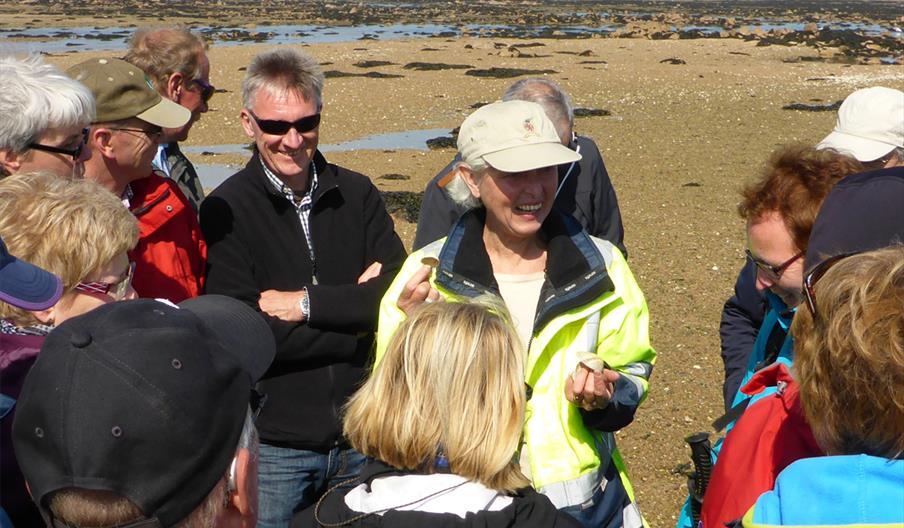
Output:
(815, 274)
(207, 89)
(773, 272)
(280, 128)
(75, 152)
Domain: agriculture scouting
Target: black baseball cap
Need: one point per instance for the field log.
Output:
(862, 212)
(144, 399)
(25, 285)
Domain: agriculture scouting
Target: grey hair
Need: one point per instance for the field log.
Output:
(280, 71)
(458, 190)
(35, 97)
(555, 102)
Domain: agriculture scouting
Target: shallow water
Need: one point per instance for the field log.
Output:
(59, 40)
(213, 174)
(406, 140)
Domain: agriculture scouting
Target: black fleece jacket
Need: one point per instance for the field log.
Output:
(255, 243)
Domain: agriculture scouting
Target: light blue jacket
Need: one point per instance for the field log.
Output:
(850, 491)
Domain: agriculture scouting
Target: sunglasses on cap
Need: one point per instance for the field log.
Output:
(75, 152)
(770, 271)
(207, 89)
(117, 290)
(280, 128)
(815, 274)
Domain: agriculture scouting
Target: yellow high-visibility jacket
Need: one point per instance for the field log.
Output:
(589, 302)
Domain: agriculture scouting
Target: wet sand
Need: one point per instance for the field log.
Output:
(680, 141)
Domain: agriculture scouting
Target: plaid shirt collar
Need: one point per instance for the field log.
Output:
(283, 189)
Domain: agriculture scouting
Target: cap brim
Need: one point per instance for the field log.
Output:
(166, 114)
(531, 156)
(29, 287)
(860, 148)
(242, 330)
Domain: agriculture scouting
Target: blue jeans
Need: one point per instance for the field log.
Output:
(606, 508)
(293, 479)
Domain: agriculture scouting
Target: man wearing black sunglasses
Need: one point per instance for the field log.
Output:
(311, 246)
(175, 60)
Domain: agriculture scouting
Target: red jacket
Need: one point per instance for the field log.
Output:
(171, 254)
(771, 434)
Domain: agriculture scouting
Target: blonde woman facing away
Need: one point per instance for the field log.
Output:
(440, 421)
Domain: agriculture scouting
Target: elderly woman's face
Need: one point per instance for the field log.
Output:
(69, 138)
(517, 203)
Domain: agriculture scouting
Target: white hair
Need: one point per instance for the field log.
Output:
(555, 102)
(35, 97)
(280, 71)
(457, 188)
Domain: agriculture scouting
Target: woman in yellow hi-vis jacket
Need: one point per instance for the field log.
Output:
(580, 315)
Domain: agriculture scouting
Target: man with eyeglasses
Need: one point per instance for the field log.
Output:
(870, 128)
(310, 245)
(171, 254)
(45, 115)
(175, 60)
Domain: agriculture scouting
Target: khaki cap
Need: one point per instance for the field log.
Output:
(121, 91)
(512, 136)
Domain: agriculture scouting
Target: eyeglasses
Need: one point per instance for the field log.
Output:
(117, 290)
(75, 152)
(813, 277)
(280, 128)
(153, 135)
(770, 271)
(207, 89)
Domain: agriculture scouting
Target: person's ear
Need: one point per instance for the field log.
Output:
(9, 161)
(471, 179)
(44, 316)
(245, 116)
(174, 86)
(100, 140)
(243, 500)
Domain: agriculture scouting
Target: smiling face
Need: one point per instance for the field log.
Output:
(770, 243)
(289, 155)
(517, 203)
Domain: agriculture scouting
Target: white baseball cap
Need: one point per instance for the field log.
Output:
(512, 136)
(870, 124)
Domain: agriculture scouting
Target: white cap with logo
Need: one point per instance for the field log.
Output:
(512, 136)
(870, 124)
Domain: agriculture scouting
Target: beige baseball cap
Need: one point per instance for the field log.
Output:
(512, 136)
(122, 90)
(870, 124)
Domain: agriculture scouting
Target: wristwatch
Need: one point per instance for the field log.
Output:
(306, 305)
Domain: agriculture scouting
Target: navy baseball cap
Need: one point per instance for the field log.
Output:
(144, 399)
(862, 212)
(25, 285)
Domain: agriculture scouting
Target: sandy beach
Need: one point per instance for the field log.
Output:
(679, 142)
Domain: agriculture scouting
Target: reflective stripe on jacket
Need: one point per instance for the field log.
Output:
(589, 300)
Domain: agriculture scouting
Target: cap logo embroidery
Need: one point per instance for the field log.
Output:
(529, 127)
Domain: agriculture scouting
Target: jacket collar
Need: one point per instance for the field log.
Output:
(326, 176)
(575, 269)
